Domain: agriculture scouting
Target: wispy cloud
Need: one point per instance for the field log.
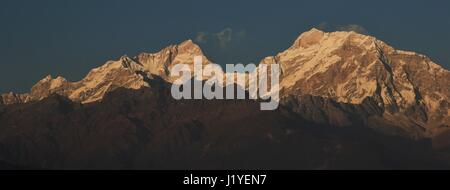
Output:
(322, 26)
(222, 38)
(353, 27)
(350, 27)
(201, 37)
(225, 36)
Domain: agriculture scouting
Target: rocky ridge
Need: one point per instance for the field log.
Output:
(343, 67)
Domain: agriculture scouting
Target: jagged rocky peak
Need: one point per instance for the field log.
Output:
(190, 46)
(336, 39)
(126, 72)
(130, 63)
(309, 38)
(12, 98)
(161, 62)
(355, 65)
(168, 54)
(134, 73)
(51, 82)
(40, 90)
(145, 65)
(349, 68)
(47, 86)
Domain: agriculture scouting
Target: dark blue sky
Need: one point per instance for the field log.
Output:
(70, 37)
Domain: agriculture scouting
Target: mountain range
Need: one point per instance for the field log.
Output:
(348, 100)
